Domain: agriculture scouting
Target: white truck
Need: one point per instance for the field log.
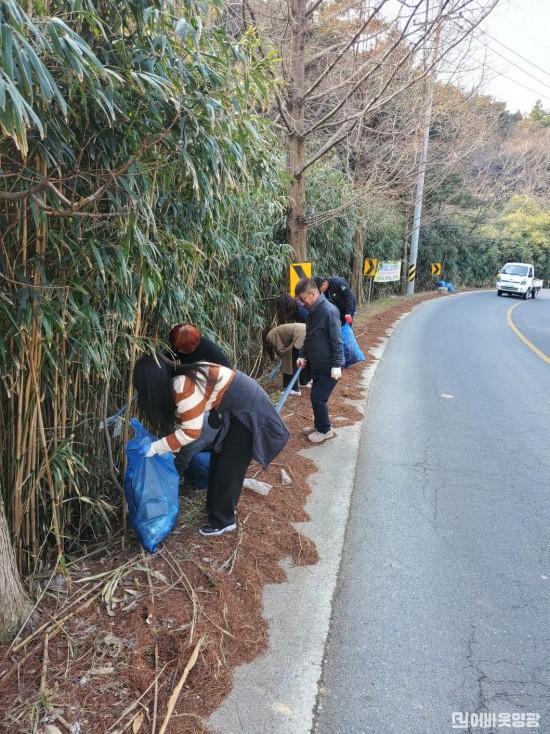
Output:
(518, 279)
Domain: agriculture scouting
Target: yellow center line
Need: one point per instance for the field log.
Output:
(523, 338)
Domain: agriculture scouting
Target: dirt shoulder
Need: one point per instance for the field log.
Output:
(130, 641)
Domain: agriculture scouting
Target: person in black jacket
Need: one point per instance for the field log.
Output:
(323, 351)
(338, 291)
(190, 346)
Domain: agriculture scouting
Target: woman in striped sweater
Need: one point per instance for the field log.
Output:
(174, 399)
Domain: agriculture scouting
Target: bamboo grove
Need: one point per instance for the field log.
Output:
(134, 167)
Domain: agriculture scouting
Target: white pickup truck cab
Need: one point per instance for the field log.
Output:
(518, 279)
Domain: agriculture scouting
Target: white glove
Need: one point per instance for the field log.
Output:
(336, 373)
(152, 451)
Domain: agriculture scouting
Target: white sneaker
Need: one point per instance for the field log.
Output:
(208, 531)
(295, 392)
(308, 429)
(308, 384)
(317, 437)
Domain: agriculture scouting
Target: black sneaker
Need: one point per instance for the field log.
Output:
(208, 530)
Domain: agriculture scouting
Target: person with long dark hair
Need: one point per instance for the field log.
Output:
(173, 399)
(286, 338)
(189, 345)
(289, 310)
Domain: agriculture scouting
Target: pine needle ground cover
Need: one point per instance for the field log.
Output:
(129, 641)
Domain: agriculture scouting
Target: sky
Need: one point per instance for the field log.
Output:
(515, 41)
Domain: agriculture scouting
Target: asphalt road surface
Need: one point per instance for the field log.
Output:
(441, 616)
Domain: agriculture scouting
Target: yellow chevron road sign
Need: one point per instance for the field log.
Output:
(436, 268)
(297, 272)
(369, 269)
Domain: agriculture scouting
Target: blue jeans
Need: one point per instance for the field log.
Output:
(198, 470)
(322, 387)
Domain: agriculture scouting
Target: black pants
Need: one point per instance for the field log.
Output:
(323, 385)
(304, 377)
(227, 472)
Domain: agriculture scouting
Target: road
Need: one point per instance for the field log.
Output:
(441, 610)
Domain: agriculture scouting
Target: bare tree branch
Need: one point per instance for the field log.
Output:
(346, 48)
(313, 6)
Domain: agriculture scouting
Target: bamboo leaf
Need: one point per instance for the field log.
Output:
(98, 258)
(48, 86)
(73, 55)
(54, 38)
(82, 49)
(7, 50)
(22, 71)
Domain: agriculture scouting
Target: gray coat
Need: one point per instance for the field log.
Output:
(322, 346)
(250, 404)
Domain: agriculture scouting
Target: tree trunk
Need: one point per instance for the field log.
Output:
(357, 266)
(15, 605)
(296, 213)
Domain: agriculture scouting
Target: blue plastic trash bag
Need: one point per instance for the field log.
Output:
(151, 487)
(450, 287)
(352, 353)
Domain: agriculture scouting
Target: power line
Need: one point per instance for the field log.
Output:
(538, 94)
(537, 41)
(516, 54)
(523, 71)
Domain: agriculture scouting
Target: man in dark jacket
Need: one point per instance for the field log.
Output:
(338, 292)
(323, 350)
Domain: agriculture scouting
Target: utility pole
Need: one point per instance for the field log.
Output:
(415, 232)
